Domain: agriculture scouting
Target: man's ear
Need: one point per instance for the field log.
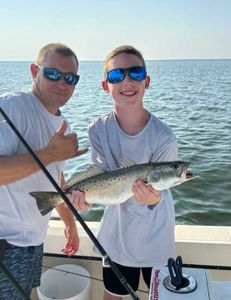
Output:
(34, 70)
(147, 82)
(105, 86)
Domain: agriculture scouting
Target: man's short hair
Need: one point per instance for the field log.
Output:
(55, 48)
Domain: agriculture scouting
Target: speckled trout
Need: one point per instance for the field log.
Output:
(114, 187)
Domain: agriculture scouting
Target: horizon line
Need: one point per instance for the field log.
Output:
(99, 60)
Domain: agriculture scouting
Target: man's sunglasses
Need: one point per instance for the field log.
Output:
(135, 73)
(56, 75)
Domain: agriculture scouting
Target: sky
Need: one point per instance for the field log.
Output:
(160, 29)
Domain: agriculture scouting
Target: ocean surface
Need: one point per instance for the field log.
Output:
(193, 97)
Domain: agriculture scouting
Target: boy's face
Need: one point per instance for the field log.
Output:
(127, 92)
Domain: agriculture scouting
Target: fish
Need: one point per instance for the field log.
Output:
(115, 186)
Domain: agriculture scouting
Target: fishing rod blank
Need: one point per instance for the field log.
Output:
(120, 276)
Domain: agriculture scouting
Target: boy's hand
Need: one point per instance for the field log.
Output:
(77, 198)
(145, 194)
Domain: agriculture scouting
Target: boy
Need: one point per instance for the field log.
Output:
(139, 233)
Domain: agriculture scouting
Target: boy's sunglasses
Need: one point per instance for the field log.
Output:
(135, 73)
(56, 75)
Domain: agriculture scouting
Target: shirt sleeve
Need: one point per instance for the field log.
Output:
(8, 140)
(167, 151)
(97, 153)
(166, 148)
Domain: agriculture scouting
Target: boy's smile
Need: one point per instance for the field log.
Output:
(128, 93)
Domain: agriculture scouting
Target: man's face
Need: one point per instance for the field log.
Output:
(54, 94)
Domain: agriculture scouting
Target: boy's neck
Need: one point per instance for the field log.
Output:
(132, 122)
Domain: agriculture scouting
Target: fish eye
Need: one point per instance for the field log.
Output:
(175, 166)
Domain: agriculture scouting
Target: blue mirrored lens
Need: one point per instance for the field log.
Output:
(115, 76)
(135, 73)
(71, 79)
(52, 74)
(55, 75)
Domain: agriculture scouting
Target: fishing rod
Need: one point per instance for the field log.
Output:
(105, 256)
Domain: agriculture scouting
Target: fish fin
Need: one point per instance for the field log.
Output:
(95, 170)
(92, 170)
(125, 162)
(44, 201)
(45, 211)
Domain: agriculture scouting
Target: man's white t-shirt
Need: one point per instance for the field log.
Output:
(21, 223)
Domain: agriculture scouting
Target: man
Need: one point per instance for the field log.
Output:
(37, 116)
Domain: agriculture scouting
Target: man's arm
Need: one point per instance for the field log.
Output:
(59, 148)
(16, 167)
(70, 231)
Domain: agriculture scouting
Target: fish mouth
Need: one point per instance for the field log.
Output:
(189, 175)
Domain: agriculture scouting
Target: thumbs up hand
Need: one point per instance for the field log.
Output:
(62, 147)
(62, 128)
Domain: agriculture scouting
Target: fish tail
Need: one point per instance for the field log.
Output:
(45, 201)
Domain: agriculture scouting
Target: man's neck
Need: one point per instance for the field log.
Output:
(52, 110)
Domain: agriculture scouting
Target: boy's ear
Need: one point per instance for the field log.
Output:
(147, 82)
(105, 86)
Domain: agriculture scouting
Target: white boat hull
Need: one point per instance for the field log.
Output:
(200, 246)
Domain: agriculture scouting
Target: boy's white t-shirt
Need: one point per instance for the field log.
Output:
(131, 233)
(21, 223)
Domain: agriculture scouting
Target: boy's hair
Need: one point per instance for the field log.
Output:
(127, 49)
(55, 48)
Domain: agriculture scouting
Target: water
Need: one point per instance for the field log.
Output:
(193, 97)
